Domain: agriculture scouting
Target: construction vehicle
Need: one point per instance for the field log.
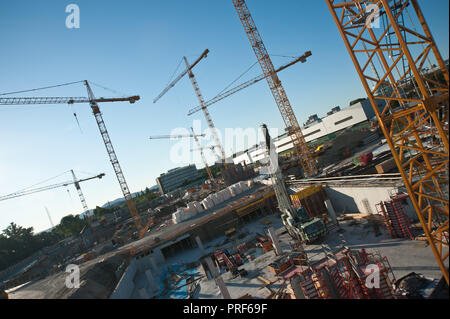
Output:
(297, 222)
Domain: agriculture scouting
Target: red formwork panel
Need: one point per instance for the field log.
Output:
(396, 220)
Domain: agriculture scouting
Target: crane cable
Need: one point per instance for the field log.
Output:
(43, 88)
(24, 189)
(110, 90)
(240, 76)
(248, 70)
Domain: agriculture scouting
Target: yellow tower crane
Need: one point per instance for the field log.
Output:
(393, 38)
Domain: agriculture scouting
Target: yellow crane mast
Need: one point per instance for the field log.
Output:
(396, 44)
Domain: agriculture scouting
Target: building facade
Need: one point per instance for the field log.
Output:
(176, 177)
(336, 120)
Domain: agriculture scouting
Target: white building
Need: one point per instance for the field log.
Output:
(316, 128)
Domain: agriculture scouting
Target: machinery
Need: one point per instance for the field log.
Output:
(297, 223)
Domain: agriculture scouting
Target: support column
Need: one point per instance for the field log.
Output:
(219, 281)
(200, 245)
(331, 211)
(275, 242)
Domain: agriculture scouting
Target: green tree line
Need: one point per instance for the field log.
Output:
(18, 243)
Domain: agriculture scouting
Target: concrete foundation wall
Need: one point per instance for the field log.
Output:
(125, 287)
(140, 278)
(358, 199)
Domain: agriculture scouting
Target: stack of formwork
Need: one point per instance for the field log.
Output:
(347, 275)
(330, 277)
(311, 285)
(338, 281)
(353, 276)
(360, 267)
(386, 276)
(395, 218)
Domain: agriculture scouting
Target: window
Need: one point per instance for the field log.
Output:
(344, 120)
(312, 133)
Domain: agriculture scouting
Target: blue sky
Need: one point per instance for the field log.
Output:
(134, 47)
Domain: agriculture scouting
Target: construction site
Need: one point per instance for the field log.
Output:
(351, 205)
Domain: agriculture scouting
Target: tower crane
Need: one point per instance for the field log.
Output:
(208, 170)
(303, 153)
(141, 227)
(159, 137)
(195, 136)
(246, 84)
(80, 193)
(200, 98)
(75, 182)
(398, 48)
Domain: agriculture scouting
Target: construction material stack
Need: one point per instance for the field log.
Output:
(346, 274)
(395, 217)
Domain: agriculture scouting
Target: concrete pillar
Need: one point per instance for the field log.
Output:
(331, 211)
(205, 269)
(219, 281)
(223, 288)
(275, 242)
(200, 244)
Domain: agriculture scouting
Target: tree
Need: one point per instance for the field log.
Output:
(70, 225)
